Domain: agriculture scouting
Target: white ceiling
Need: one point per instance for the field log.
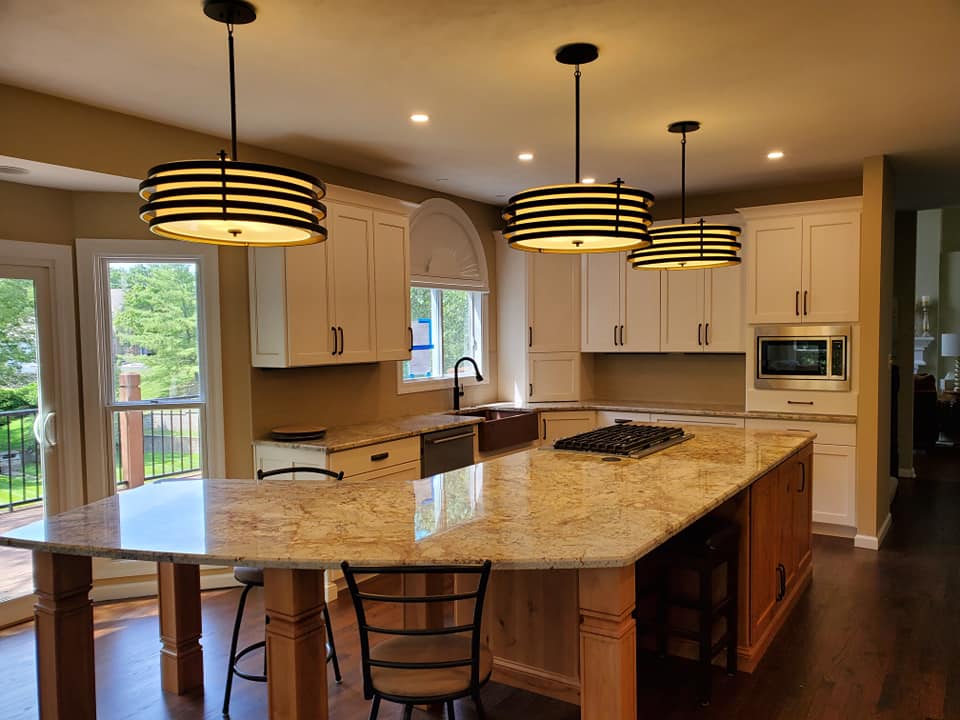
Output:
(63, 178)
(827, 81)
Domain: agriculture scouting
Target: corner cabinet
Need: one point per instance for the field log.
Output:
(345, 300)
(621, 306)
(804, 262)
(538, 297)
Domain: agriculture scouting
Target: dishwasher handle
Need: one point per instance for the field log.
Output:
(450, 438)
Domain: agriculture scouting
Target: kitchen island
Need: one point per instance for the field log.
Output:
(563, 531)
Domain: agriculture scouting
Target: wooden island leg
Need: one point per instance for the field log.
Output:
(608, 644)
(181, 656)
(296, 644)
(63, 618)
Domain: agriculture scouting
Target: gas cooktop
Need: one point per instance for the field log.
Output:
(626, 439)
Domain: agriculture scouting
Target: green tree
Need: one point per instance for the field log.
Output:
(156, 325)
(18, 331)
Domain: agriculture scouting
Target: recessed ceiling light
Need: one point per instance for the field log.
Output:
(525, 156)
(775, 154)
(420, 117)
(588, 181)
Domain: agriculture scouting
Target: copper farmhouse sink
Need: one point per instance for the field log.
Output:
(503, 428)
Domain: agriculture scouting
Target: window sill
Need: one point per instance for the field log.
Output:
(444, 383)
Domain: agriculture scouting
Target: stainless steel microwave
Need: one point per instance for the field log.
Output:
(803, 357)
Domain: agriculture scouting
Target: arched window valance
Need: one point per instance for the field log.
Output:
(445, 249)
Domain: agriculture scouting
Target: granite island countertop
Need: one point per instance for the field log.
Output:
(536, 509)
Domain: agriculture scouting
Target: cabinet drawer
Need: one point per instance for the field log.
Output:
(716, 421)
(605, 418)
(827, 433)
(374, 457)
(555, 425)
(406, 471)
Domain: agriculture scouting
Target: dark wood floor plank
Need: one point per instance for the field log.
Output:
(877, 636)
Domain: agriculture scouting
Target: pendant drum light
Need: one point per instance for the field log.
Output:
(688, 246)
(579, 217)
(228, 202)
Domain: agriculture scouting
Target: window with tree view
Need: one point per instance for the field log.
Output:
(447, 324)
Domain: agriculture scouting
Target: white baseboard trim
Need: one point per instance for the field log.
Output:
(871, 542)
(894, 484)
(907, 472)
(834, 530)
(146, 586)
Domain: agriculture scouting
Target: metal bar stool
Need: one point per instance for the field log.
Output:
(253, 577)
(423, 666)
(703, 548)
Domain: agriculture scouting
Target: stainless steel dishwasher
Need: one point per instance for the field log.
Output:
(446, 450)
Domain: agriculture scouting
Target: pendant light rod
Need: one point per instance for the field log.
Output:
(576, 81)
(233, 94)
(577, 54)
(683, 127)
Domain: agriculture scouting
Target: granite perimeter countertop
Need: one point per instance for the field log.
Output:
(536, 509)
(351, 436)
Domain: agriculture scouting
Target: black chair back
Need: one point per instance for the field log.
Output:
(261, 474)
(361, 599)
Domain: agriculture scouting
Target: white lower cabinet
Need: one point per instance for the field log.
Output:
(834, 468)
(560, 424)
(712, 420)
(605, 418)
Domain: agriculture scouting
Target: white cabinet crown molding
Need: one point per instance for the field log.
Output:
(811, 207)
(350, 196)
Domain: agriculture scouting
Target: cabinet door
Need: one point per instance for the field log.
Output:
(268, 327)
(774, 273)
(553, 302)
(602, 293)
(834, 492)
(681, 310)
(309, 320)
(764, 552)
(555, 425)
(831, 268)
(803, 511)
(391, 256)
(723, 319)
(553, 377)
(350, 279)
(790, 481)
(641, 310)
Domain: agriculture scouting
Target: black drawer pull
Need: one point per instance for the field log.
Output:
(799, 402)
(379, 456)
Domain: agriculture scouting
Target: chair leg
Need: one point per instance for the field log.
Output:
(481, 713)
(232, 659)
(451, 713)
(732, 627)
(333, 647)
(706, 634)
(375, 708)
(407, 712)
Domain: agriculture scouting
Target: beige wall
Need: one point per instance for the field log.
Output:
(876, 311)
(670, 378)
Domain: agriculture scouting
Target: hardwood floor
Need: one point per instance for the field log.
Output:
(877, 636)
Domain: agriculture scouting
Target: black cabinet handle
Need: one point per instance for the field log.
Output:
(804, 302)
(379, 456)
(781, 581)
(803, 477)
(341, 338)
(621, 336)
(799, 402)
(531, 389)
(410, 330)
(706, 334)
(544, 428)
(530, 336)
(334, 340)
(796, 304)
(699, 333)
(615, 335)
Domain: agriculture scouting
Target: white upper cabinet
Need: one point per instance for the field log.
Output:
(702, 310)
(724, 325)
(345, 300)
(803, 262)
(621, 306)
(553, 302)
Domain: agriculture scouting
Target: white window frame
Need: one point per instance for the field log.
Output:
(444, 382)
(97, 359)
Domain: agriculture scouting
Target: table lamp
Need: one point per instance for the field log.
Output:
(950, 347)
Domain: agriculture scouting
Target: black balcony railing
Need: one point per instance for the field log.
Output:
(20, 475)
(167, 439)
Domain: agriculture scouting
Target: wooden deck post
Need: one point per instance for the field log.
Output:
(63, 619)
(296, 644)
(181, 656)
(608, 644)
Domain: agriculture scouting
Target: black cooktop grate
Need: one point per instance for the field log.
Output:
(624, 439)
